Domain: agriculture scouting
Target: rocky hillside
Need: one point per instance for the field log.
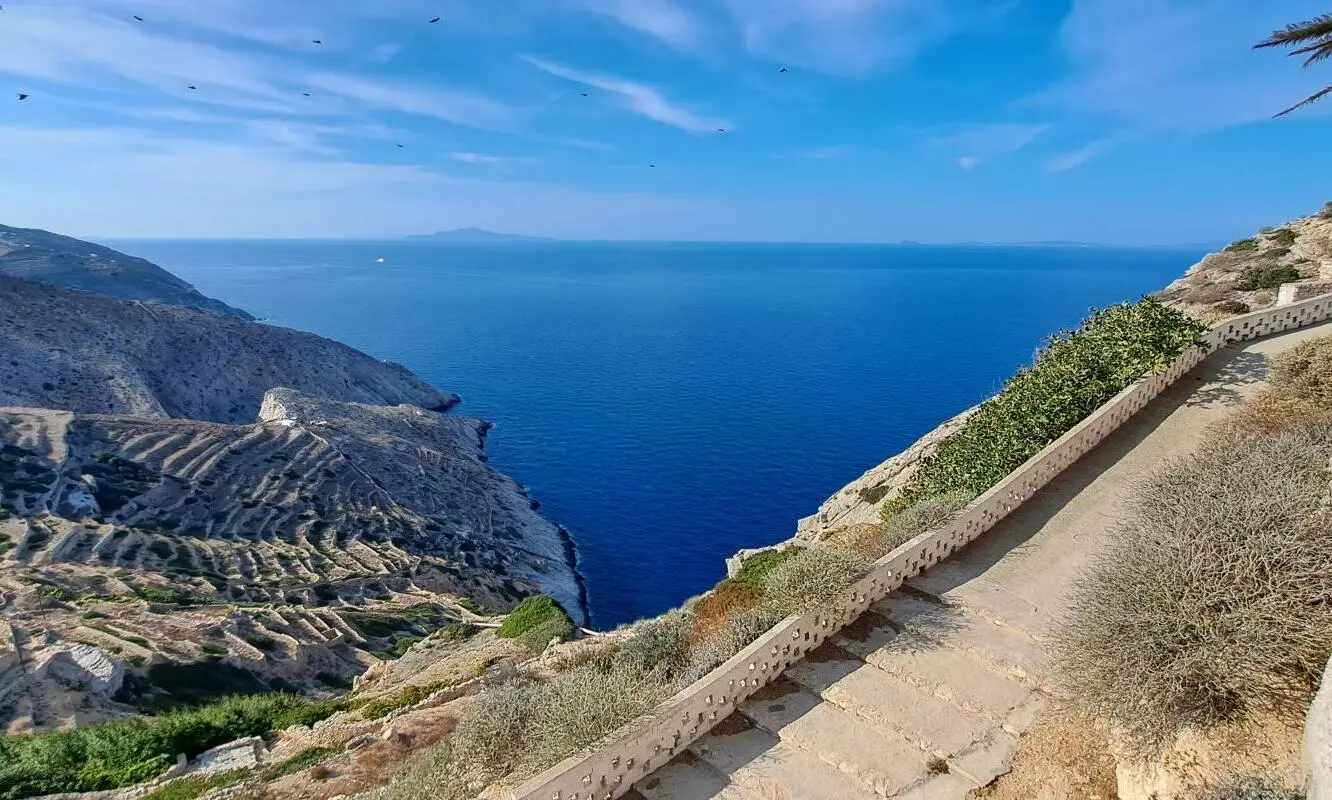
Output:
(56, 260)
(1245, 275)
(123, 357)
(1241, 278)
(195, 504)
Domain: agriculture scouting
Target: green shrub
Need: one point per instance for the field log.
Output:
(903, 525)
(1305, 371)
(660, 644)
(1232, 307)
(213, 649)
(154, 594)
(523, 727)
(754, 570)
(1266, 276)
(302, 760)
(406, 696)
(115, 754)
(1209, 603)
(535, 621)
(190, 788)
(873, 494)
(1075, 372)
(1284, 237)
(1243, 246)
(816, 579)
(1326, 213)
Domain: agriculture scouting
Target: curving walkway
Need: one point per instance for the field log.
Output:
(925, 696)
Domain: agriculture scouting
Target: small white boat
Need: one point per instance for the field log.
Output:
(381, 260)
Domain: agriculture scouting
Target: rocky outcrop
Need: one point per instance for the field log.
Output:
(1215, 286)
(81, 352)
(81, 667)
(65, 262)
(859, 502)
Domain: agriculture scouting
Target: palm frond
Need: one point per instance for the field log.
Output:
(1320, 50)
(1313, 98)
(1297, 33)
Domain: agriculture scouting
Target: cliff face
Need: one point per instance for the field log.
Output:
(81, 352)
(44, 257)
(193, 500)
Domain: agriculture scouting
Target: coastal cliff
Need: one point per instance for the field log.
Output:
(193, 501)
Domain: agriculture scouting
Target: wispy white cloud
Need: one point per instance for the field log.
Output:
(459, 108)
(666, 20)
(483, 159)
(982, 142)
(639, 98)
(839, 36)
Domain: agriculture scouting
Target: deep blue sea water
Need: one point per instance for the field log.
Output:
(673, 403)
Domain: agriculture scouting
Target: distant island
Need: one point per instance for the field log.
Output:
(477, 235)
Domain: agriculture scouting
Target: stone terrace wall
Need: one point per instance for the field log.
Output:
(634, 752)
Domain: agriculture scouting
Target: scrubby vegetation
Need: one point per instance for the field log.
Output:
(1075, 372)
(1250, 789)
(1212, 604)
(1267, 276)
(115, 754)
(535, 621)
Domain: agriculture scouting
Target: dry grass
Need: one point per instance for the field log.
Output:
(1305, 371)
(1063, 755)
(713, 613)
(1214, 601)
(814, 579)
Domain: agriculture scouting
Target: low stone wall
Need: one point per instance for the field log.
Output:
(634, 752)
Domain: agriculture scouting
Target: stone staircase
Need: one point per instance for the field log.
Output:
(923, 697)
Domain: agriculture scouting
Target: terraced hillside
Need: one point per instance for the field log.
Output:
(294, 548)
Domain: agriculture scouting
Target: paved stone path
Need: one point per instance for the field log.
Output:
(925, 696)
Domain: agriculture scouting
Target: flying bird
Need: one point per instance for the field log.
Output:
(22, 96)
(139, 18)
(584, 94)
(653, 166)
(783, 69)
(721, 130)
(403, 146)
(192, 88)
(433, 21)
(305, 94)
(317, 41)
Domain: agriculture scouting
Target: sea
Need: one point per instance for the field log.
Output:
(672, 403)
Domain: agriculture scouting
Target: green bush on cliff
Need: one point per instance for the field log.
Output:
(115, 754)
(1266, 276)
(1075, 372)
(535, 621)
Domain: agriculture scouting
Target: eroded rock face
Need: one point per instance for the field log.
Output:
(82, 667)
(160, 361)
(859, 502)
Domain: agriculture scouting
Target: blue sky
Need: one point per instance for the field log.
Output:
(1121, 121)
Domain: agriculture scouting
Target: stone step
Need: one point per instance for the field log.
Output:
(983, 597)
(888, 702)
(940, 787)
(686, 777)
(936, 667)
(883, 761)
(760, 765)
(1001, 645)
